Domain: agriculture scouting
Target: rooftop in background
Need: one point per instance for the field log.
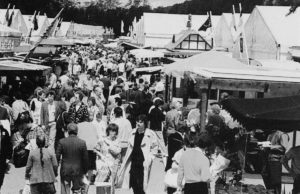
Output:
(285, 29)
(161, 23)
(155, 3)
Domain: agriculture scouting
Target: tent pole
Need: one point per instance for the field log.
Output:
(294, 138)
(203, 109)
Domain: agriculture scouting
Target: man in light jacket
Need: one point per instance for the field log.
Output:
(50, 110)
(142, 146)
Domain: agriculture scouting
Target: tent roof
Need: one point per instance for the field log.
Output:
(7, 31)
(277, 64)
(55, 41)
(145, 53)
(63, 30)
(160, 23)
(218, 65)
(3, 12)
(268, 113)
(228, 18)
(285, 29)
(41, 21)
(7, 65)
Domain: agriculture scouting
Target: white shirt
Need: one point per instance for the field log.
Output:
(51, 109)
(91, 64)
(52, 80)
(37, 112)
(159, 87)
(122, 67)
(76, 69)
(64, 79)
(101, 128)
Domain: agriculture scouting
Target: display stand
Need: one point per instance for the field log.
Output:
(103, 188)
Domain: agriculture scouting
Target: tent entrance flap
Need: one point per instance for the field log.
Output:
(281, 113)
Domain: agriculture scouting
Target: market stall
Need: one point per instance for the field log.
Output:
(216, 70)
(9, 39)
(145, 53)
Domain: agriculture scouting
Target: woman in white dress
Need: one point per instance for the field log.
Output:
(108, 152)
(36, 104)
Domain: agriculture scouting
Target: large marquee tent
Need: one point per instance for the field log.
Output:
(9, 38)
(18, 22)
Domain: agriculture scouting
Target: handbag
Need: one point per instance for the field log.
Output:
(171, 178)
(20, 155)
(26, 190)
(103, 171)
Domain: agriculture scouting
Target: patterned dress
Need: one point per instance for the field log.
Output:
(80, 115)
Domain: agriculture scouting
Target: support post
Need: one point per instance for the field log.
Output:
(203, 109)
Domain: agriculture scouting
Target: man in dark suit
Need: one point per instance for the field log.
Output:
(5, 151)
(74, 161)
(3, 113)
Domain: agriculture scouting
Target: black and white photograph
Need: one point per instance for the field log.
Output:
(149, 97)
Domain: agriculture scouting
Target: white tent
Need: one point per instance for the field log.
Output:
(9, 38)
(18, 22)
(43, 23)
(81, 30)
(270, 33)
(216, 65)
(66, 30)
(144, 53)
(224, 33)
(157, 29)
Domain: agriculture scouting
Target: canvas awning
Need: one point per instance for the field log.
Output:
(267, 113)
(55, 42)
(7, 65)
(219, 67)
(144, 53)
(9, 32)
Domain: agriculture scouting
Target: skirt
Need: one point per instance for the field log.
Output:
(92, 160)
(196, 188)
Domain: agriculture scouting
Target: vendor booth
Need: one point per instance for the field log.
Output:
(9, 39)
(216, 70)
(145, 53)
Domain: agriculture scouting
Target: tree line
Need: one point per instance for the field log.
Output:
(108, 13)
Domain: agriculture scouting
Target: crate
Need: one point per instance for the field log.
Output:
(103, 188)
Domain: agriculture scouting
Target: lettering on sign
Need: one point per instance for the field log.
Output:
(7, 44)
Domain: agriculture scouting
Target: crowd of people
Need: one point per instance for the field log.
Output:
(97, 120)
(100, 122)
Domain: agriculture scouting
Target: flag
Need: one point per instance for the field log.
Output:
(35, 22)
(207, 24)
(233, 19)
(173, 38)
(122, 26)
(44, 36)
(58, 26)
(241, 22)
(11, 17)
(7, 14)
(59, 23)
